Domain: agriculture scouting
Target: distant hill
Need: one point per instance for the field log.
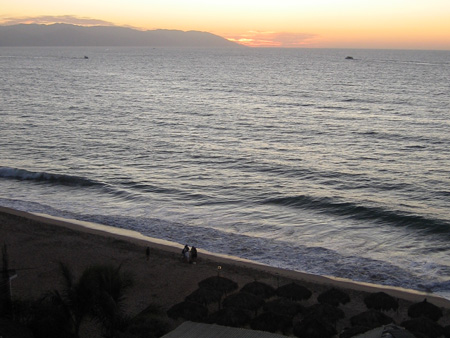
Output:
(72, 35)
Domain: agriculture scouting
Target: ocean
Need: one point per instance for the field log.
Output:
(296, 158)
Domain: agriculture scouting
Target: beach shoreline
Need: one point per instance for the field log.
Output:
(138, 238)
(37, 243)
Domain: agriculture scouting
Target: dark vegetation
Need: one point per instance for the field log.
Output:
(97, 295)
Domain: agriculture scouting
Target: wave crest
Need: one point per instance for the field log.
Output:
(361, 212)
(25, 175)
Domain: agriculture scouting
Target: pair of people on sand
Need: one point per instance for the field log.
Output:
(189, 255)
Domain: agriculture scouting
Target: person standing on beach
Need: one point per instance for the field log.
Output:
(185, 253)
(193, 254)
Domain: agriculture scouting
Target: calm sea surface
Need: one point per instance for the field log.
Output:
(295, 158)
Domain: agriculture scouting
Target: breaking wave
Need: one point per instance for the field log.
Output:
(361, 212)
(62, 179)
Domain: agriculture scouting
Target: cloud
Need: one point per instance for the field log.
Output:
(274, 39)
(293, 39)
(47, 19)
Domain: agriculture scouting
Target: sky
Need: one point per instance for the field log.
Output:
(390, 24)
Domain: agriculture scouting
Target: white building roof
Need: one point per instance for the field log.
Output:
(199, 330)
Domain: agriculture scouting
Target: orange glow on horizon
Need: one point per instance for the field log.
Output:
(273, 39)
(255, 43)
(399, 24)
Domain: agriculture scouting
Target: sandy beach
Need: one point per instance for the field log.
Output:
(37, 243)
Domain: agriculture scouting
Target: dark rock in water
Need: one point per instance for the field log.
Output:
(349, 58)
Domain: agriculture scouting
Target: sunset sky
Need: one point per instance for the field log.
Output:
(398, 24)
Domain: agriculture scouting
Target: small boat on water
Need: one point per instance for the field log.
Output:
(86, 57)
(349, 58)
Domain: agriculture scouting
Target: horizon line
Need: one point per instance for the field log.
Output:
(233, 40)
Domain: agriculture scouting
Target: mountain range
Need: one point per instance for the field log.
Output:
(73, 35)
